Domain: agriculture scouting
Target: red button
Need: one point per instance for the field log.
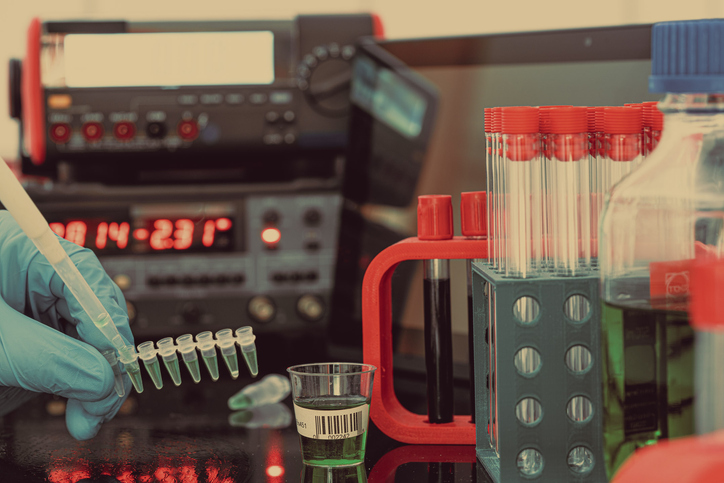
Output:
(60, 132)
(92, 131)
(124, 130)
(188, 130)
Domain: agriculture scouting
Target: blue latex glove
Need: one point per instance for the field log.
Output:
(47, 342)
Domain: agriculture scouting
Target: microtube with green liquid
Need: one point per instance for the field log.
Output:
(187, 345)
(206, 344)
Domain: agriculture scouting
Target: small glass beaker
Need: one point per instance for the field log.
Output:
(331, 406)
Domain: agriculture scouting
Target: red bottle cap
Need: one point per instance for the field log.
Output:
(706, 287)
(545, 117)
(434, 217)
(519, 120)
(497, 119)
(599, 118)
(473, 213)
(568, 120)
(622, 120)
(591, 118)
(488, 119)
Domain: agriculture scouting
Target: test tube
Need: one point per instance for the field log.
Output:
(207, 346)
(434, 222)
(523, 191)
(473, 226)
(622, 139)
(167, 350)
(597, 157)
(653, 124)
(571, 214)
(245, 339)
(489, 177)
(188, 352)
(147, 353)
(546, 157)
(227, 346)
(498, 207)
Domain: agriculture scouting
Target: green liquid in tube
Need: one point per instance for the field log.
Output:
(232, 363)
(174, 370)
(251, 362)
(193, 366)
(240, 401)
(154, 370)
(134, 372)
(212, 364)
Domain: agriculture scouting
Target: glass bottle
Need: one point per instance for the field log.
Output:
(656, 221)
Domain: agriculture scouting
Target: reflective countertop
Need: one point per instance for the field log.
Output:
(187, 434)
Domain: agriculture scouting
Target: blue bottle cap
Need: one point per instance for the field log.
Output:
(687, 56)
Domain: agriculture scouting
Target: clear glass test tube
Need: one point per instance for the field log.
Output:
(498, 208)
(622, 140)
(570, 195)
(489, 177)
(523, 191)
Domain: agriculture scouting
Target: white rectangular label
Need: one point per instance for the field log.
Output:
(332, 424)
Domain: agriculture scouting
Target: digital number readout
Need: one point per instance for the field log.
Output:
(149, 234)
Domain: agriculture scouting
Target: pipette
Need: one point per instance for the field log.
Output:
(34, 225)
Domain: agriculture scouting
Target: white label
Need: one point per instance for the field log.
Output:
(332, 424)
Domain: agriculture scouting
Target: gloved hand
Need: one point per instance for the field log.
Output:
(47, 342)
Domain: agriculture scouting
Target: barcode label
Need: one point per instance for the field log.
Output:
(332, 424)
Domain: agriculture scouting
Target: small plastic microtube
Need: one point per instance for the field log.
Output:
(227, 345)
(167, 351)
(187, 346)
(112, 359)
(245, 339)
(207, 346)
(188, 352)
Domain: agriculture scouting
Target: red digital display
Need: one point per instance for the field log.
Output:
(149, 234)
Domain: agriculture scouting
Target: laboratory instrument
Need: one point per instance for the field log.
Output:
(273, 388)
(434, 222)
(205, 343)
(657, 220)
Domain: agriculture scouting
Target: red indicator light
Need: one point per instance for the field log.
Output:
(223, 224)
(58, 229)
(124, 130)
(60, 132)
(75, 232)
(188, 130)
(275, 471)
(271, 236)
(141, 234)
(92, 131)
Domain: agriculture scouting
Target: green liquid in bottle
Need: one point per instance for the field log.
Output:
(333, 452)
(193, 366)
(154, 370)
(174, 370)
(648, 374)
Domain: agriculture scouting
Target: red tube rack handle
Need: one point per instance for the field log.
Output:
(386, 411)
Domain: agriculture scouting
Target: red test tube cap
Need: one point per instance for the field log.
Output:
(706, 287)
(434, 217)
(473, 213)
